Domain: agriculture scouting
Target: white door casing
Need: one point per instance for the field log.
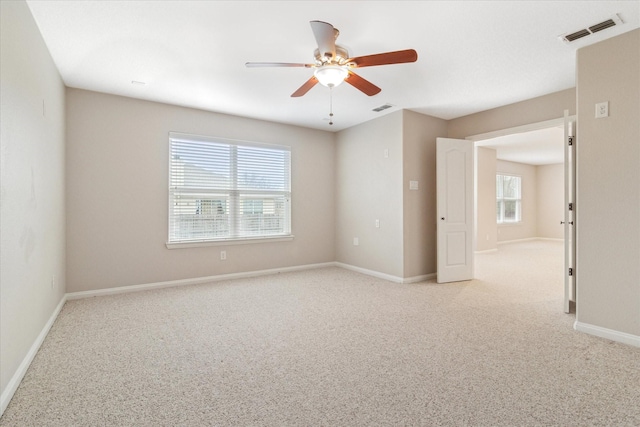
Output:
(569, 222)
(454, 172)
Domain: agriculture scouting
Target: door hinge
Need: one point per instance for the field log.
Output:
(570, 206)
(570, 139)
(570, 271)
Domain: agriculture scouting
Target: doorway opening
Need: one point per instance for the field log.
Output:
(520, 189)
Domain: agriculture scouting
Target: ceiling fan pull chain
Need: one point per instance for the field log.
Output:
(330, 105)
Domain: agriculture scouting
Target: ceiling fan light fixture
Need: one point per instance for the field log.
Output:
(331, 75)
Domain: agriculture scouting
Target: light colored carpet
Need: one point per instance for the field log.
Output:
(332, 347)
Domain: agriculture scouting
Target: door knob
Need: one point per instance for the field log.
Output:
(442, 219)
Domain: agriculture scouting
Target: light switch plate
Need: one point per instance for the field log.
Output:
(413, 185)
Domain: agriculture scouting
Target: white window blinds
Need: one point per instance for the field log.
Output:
(223, 190)
(508, 199)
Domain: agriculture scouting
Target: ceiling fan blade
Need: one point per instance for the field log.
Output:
(361, 84)
(325, 36)
(305, 87)
(397, 57)
(276, 64)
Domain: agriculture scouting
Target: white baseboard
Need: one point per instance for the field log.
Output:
(192, 281)
(386, 276)
(528, 239)
(421, 278)
(609, 334)
(368, 272)
(13, 384)
(486, 251)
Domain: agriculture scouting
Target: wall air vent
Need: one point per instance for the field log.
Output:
(575, 35)
(382, 108)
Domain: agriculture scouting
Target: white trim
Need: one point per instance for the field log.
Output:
(386, 276)
(15, 381)
(486, 251)
(229, 242)
(609, 334)
(528, 239)
(421, 278)
(192, 281)
(368, 272)
(519, 129)
(217, 278)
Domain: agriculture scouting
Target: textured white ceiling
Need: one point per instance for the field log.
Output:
(472, 55)
(537, 147)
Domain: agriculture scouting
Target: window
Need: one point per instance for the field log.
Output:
(508, 199)
(221, 190)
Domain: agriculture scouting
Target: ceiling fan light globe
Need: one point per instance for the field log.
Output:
(331, 75)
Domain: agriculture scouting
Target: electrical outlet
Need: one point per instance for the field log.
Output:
(223, 255)
(377, 223)
(386, 153)
(602, 109)
(356, 242)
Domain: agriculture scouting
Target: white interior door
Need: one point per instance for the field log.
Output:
(454, 172)
(569, 211)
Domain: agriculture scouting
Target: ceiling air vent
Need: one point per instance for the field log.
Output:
(611, 22)
(382, 108)
(601, 26)
(577, 35)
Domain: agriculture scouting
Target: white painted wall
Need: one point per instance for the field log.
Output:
(117, 175)
(32, 180)
(608, 194)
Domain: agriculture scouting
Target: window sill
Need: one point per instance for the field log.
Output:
(229, 242)
(509, 224)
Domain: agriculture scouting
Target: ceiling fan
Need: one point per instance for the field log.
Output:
(333, 64)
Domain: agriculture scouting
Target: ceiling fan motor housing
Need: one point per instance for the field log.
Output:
(342, 54)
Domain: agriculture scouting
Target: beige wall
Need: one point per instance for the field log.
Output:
(116, 157)
(550, 201)
(485, 212)
(546, 107)
(527, 228)
(608, 194)
(535, 110)
(542, 194)
(32, 245)
(369, 187)
(419, 133)
(117, 154)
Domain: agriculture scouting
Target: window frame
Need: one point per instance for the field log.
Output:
(500, 216)
(232, 197)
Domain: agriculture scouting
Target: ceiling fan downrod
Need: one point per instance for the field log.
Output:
(330, 105)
